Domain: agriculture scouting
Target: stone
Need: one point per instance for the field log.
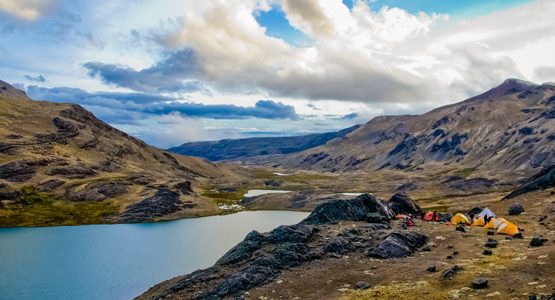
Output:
(487, 252)
(431, 269)
(402, 203)
(460, 228)
(537, 241)
(18, 171)
(164, 202)
(357, 209)
(479, 283)
(491, 243)
(450, 273)
(516, 209)
(398, 244)
(362, 285)
(490, 232)
(184, 187)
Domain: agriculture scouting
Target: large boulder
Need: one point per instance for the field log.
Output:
(363, 208)
(18, 171)
(401, 203)
(164, 202)
(516, 209)
(398, 244)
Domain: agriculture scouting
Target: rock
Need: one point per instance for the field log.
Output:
(516, 209)
(66, 128)
(291, 233)
(72, 172)
(450, 273)
(487, 252)
(490, 232)
(401, 203)
(164, 202)
(97, 191)
(537, 241)
(479, 283)
(18, 171)
(357, 209)
(184, 187)
(518, 236)
(491, 243)
(272, 182)
(449, 257)
(431, 269)
(398, 244)
(541, 181)
(51, 184)
(338, 245)
(243, 250)
(460, 228)
(362, 285)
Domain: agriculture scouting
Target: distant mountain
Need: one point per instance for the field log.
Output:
(242, 148)
(59, 164)
(510, 128)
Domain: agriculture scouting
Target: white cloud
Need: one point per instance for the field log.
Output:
(29, 10)
(388, 56)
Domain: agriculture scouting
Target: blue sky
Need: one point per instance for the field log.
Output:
(172, 71)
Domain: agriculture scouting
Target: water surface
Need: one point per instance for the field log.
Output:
(119, 261)
(253, 193)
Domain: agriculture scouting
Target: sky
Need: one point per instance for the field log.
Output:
(174, 71)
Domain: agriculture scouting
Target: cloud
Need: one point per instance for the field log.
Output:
(545, 74)
(174, 73)
(358, 54)
(38, 78)
(28, 10)
(128, 107)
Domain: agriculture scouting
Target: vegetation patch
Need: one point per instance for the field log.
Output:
(34, 208)
(225, 196)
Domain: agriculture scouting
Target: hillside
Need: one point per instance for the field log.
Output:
(510, 128)
(241, 148)
(59, 164)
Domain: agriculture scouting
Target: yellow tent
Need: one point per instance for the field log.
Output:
(507, 228)
(494, 223)
(460, 219)
(480, 221)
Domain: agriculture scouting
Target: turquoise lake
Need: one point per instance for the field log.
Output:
(119, 261)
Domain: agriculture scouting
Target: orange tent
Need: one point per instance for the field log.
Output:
(494, 223)
(507, 228)
(460, 219)
(480, 221)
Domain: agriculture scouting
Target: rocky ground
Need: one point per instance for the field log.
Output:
(348, 250)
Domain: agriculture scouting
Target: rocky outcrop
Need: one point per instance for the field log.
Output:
(164, 202)
(18, 171)
(402, 203)
(543, 180)
(398, 244)
(72, 172)
(50, 184)
(338, 227)
(362, 208)
(516, 209)
(97, 191)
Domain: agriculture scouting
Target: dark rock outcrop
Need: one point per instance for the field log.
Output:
(402, 203)
(543, 180)
(516, 209)
(537, 241)
(97, 191)
(72, 172)
(479, 283)
(362, 208)
(184, 187)
(51, 184)
(450, 273)
(18, 171)
(164, 202)
(398, 244)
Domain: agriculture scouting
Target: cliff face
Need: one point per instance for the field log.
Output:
(59, 164)
(506, 129)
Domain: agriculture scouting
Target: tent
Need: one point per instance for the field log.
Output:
(494, 223)
(507, 228)
(480, 221)
(429, 216)
(460, 219)
(486, 212)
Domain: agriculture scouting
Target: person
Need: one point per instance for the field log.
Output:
(434, 216)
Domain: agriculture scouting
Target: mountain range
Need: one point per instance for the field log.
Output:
(59, 164)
